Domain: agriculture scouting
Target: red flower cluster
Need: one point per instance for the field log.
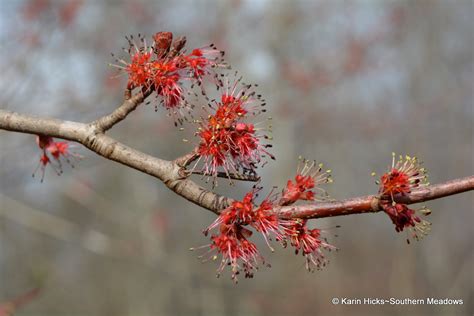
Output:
(225, 139)
(52, 152)
(404, 175)
(308, 242)
(308, 177)
(163, 67)
(234, 222)
(237, 251)
(404, 217)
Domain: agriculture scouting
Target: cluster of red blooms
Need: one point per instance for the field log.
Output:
(226, 140)
(51, 154)
(308, 176)
(163, 67)
(234, 222)
(404, 175)
(308, 242)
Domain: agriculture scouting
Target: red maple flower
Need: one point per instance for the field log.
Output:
(239, 212)
(164, 68)
(62, 149)
(43, 163)
(232, 241)
(52, 151)
(237, 252)
(404, 217)
(266, 221)
(308, 242)
(139, 70)
(308, 177)
(214, 148)
(201, 61)
(245, 143)
(166, 79)
(232, 244)
(226, 140)
(404, 175)
(234, 224)
(45, 142)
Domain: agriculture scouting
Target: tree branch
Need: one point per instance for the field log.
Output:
(371, 203)
(187, 159)
(101, 144)
(170, 172)
(105, 123)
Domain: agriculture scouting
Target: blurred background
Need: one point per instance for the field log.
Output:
(346, 82)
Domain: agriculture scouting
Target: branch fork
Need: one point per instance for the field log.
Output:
(175, 175)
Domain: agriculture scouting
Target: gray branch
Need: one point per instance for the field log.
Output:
(91, 137)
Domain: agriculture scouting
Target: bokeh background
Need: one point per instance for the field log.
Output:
(347, 83)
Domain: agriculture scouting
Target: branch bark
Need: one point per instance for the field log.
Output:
(371, 203)
(105, 123)
(171, 172)
(95, 140)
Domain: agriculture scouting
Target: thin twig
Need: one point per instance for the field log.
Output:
(129, 105)
(187, 159)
